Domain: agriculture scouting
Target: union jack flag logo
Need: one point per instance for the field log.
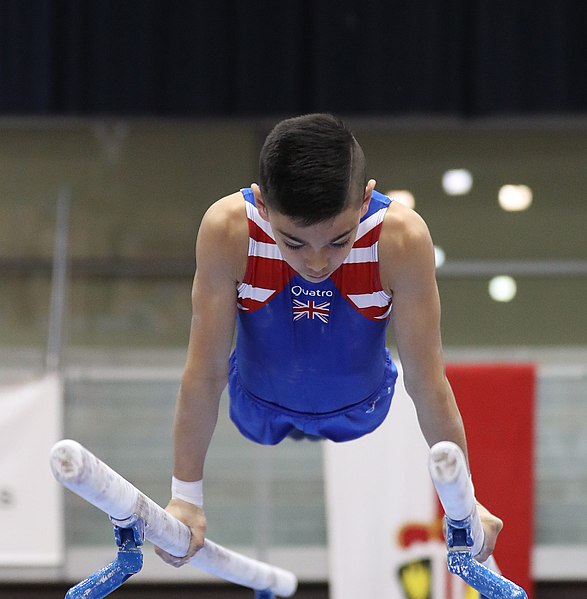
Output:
(311, 310)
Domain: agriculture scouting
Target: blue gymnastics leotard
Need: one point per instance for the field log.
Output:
(311, 356)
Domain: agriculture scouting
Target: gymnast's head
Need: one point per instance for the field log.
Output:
(311, 169)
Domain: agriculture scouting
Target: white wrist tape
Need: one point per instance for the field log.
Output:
(192, 492)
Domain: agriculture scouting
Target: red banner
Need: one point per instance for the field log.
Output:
(497, 405)
(384, 525)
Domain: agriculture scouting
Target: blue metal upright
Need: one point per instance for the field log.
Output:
(129, 561)
(461, 562)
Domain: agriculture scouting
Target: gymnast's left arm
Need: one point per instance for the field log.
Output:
(406, 246)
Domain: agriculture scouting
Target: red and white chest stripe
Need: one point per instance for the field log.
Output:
(357, 278)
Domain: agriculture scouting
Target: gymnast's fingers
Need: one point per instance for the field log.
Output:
(195, 519)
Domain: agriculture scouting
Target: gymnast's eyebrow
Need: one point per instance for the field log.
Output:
(298, 240)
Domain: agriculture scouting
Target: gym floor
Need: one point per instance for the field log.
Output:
(551, 590)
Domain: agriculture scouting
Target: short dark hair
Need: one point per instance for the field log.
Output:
(311, 168)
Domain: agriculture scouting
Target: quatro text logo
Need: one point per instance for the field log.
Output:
(298, 290)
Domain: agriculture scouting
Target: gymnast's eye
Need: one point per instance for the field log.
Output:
(341, 244)
(289, 246)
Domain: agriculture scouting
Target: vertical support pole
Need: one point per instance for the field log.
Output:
(263, 503)
(59, 284)
(129, 561)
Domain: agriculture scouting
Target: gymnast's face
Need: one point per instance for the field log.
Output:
(315, 251)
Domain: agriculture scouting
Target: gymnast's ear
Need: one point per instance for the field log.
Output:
(367, 196)
(259, 202)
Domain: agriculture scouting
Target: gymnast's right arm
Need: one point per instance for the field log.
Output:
(206, 370)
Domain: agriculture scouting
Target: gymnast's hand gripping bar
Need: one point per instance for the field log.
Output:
(80, 471)
(465, 533)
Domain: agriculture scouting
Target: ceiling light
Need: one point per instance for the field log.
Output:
(439, 256)
(502, 288)
(515, 197)
(403, 196)
(457, 182)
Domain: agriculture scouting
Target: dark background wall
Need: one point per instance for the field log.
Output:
(466, 58)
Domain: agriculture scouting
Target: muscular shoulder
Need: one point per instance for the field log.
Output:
(223, 236)
(403, 229)
(405, 245)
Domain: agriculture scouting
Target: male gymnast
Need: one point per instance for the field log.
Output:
(310, 266)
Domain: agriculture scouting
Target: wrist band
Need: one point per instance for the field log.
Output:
(192, 492)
